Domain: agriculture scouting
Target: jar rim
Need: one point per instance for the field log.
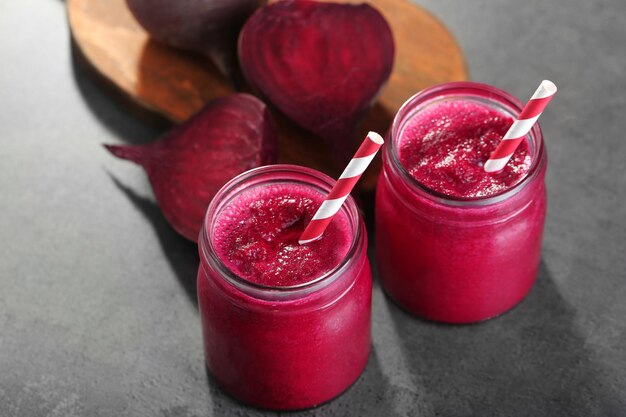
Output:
(468, 89)
(240, 183)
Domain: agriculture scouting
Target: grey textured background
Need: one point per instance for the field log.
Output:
(97, 310)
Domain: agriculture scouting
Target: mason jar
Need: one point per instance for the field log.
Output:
(285, 347)
(458, 259)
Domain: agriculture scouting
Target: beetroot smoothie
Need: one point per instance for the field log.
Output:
(256, 236)
(286, 326)
(454, 243)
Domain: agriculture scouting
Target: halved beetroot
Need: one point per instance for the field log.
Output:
(322, 64)
(210, 27)
(188, 165)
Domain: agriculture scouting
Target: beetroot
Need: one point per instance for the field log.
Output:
(188, 165)
(210, 27)
(322, 64)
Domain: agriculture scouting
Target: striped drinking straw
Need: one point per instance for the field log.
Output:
(333, 202)
(520, 127)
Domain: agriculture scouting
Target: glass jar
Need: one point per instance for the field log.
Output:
(452, 259)
(283, 347)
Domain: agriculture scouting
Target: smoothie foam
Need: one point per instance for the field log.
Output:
(256, 236)
(445, 145)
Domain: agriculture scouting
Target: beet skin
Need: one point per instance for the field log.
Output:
(322, 64)
(210, 27)
(189, 164)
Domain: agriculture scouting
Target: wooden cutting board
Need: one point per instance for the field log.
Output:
(176, 83)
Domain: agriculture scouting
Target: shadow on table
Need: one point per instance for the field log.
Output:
(116, 112)
(530, 361)
(181, 253)
(134, 125)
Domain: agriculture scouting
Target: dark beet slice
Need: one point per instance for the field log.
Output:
(189, 164)
(322, 64)
(210, 27)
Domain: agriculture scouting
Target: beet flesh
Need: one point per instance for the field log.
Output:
(210, 27)
(190, 163)
(321, 64)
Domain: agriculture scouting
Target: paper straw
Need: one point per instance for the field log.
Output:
(333, 202)
(520, 127)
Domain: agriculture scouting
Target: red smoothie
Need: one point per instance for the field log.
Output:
(256, 236)
(286, 326)
(454, 243)
(445, 146)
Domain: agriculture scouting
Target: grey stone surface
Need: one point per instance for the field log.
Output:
(97, 310)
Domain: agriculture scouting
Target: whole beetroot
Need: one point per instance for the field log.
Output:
(189, 164)
(322, 64)
(210, 27)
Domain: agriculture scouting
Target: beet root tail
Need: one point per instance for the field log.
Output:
(134, 153)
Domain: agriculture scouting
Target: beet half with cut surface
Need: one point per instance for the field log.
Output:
(210, 27)
(322, 64)
(188, 165)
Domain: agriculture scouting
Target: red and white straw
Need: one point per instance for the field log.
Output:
(527, 118)
(346, 182)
